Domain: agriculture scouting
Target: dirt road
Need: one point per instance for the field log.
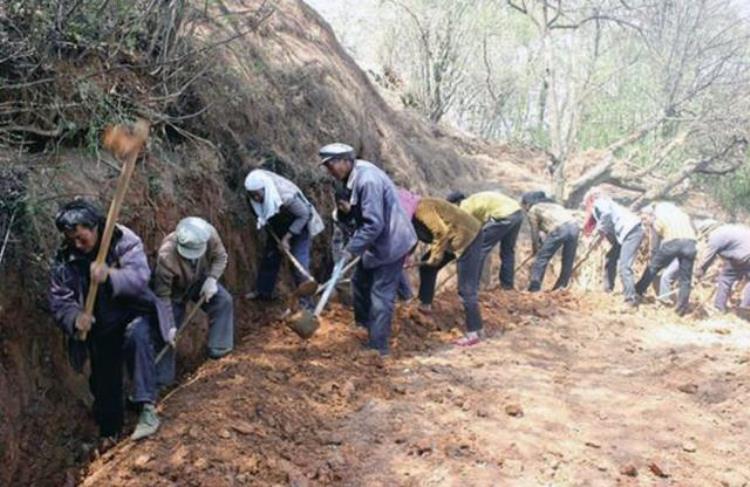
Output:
(573, 393)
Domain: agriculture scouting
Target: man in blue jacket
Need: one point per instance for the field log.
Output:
(383, 237)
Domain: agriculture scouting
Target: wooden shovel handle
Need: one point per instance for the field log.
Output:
(291, 257)
(109, 228)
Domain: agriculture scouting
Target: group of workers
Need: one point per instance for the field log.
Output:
(139, 311)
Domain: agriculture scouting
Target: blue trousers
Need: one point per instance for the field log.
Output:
(220, 311)
(374, 292)
(271, 262)
(131, 344)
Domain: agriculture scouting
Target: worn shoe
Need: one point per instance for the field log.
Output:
(469, 340)
(148, 423)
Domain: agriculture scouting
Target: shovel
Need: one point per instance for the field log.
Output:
(304, 323)
(348, 267)
(310, 286)
(185, 322)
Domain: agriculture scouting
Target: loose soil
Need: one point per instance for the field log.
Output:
(568, 389)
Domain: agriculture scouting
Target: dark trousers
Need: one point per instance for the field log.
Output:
(565, 236)
(130, 344)
(469, 267)
(684, 251)
(220, 311)
(505, 232)
(729, 275)
(271, 261)
(374, 292)
(404, 291)
(621, 258)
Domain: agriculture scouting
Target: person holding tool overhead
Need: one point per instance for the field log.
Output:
(121, 328)
(291, 221)
(190, 262)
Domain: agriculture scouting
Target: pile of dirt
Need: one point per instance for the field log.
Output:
(566, 390)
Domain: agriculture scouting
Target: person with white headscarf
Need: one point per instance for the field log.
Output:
(280, 207)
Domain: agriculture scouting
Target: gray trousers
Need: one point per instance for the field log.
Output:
(729, 275)
(565, 236)
(668, 276)
(220, 311)
(620, 258)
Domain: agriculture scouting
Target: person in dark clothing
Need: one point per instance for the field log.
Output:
(501, 218)
(281, 207)
(561, 230)
(672, 237)
(121, 329)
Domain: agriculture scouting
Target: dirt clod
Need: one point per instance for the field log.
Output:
(514, 410)
(657, 470)
(629, 470)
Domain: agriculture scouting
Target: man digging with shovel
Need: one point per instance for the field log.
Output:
(292, 222)
(190, 263)
(382, 238)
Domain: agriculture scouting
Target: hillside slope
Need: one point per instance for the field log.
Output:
(275, 93)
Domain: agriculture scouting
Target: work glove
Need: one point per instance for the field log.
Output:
(84, 322)
(172, 337)
(210, 288)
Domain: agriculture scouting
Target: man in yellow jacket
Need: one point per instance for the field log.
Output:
(452, 233)
(501, 218)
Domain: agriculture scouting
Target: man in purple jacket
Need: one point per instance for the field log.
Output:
(732, 244)
(120, 330)
(383, 237)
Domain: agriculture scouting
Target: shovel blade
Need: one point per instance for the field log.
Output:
(303, 323)
(307, 288)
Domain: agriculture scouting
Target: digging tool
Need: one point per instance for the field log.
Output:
(124, 144)
(305, 323)
(346, 269)
(185, 322)
(310, 286)
(586, 256)
(525, 261)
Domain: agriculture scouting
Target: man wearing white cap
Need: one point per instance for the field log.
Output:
(382, 238)
(190, 263)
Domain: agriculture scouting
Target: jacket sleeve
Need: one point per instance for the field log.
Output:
(533, 215)
(217, 255)
(370, 199)
(298, 207)
(131, 277)
(712, 250)
(63, 303)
